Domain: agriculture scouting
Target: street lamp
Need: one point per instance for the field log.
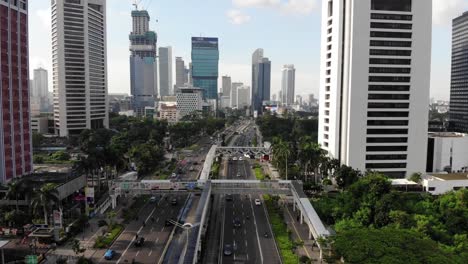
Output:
(186, 227)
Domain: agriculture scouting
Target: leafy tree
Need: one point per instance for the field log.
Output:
(415, 177)
(37, 139)
(61, 156)
(345, 176)
(147, 156)
(387, 245)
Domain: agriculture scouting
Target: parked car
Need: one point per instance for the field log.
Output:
(228, 197)
(174, 201)
(236, 222)
(109, 254)
(153, 199)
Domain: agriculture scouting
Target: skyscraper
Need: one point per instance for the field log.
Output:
(243, 96)
(227, 85)
(374, 84)
(459, 84)
(143, 67)
(15, 135)
(40, 89)
(205, 57)
(165, 71)
(235, 86)
(261, 78)
(79, 65)
(288, 84)
(181, 72)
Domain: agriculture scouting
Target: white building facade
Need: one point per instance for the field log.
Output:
(165, 71)
(79, 65)
(288, 84)
(234, 87)
(447, 152)
(189, 100)
(374, 84)
(243, 96)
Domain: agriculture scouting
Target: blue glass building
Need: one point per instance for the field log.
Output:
(205, 58)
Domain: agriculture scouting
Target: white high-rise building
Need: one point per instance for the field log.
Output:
(374, 84)
(288, 84)
(165, 71)
(181, 72)
(226, 85)
(243, 96)
(234, 87)
(79, 65)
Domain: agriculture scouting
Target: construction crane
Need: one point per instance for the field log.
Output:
(136, 3)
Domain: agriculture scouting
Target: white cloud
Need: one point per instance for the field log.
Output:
(256, 3)
(303, 7)
(237, 17)
(444, 11)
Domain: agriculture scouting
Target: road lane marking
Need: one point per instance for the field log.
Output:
(151, 252)
(162, 230)
(256, 230)
(138, 252)
(157, 240)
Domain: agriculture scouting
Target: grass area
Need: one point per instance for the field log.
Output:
(254, 141)
(164, 173)
(259, 173)
(56, 158)
(193, 147)
(282, 235)
(215, 170)
(132, 211)
(106, 240)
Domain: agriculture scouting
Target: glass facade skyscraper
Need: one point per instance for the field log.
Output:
(205, 58)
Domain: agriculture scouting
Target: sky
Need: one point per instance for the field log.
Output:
(287, 30)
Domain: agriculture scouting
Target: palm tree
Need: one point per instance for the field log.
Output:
(15, 188)
(45, 198)
(310, 154)
(281, 150)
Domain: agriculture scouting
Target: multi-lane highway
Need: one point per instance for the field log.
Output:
(236, 223)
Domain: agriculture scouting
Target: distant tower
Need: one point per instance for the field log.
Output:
(181, 72)
(288, 84)
(205, 59)
(143, 67)
(165, 71)
(261, 78)
(226, 85)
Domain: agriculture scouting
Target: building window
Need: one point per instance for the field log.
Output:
(390, 88)
(386, 157)
(387, 114)
(431, 189)
(389, 70)
(391, 17)
(393, 5)
(385, 52)
(392, 131)
(327, 128)
(396, 43)
(388, 105)
(387, 122)
(389, 96)
(330, 8)
(386, 148)
(385, 165)
(395, 79)
(390, 61)
(386, 34)
(391, 25)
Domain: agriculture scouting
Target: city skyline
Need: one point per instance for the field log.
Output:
(235, 59)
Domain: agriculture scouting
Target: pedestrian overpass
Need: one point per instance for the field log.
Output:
(207, 186)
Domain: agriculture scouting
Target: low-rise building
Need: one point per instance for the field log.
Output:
(447, 151)
(189, 100)
(40, 124)
(437, 184)
(168, 111)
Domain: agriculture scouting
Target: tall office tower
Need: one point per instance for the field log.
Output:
(459, 84)
(79, 65)
(187, 75)
(165, 71)
(190, 80)
(298, 99)
(234, 87)
(374, 84)
(143, 67)
(288, 84)
(15, 135)
(205, 58)
(181, 72)
(40, 90)
(227, 85)
(243, 97)
(261, 78)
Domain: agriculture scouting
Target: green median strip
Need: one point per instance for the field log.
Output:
(259, 173)
(106, 240)
(282, 235)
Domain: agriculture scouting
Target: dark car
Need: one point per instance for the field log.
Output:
(227, 250)
(139, 242)
(174, 201)
(236, 222)
(228, 197)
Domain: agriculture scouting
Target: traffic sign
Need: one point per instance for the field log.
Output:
(31, 259)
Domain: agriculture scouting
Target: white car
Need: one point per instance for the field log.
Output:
(235, 158)
(257, 202)
(173, 175)
(240, 158)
